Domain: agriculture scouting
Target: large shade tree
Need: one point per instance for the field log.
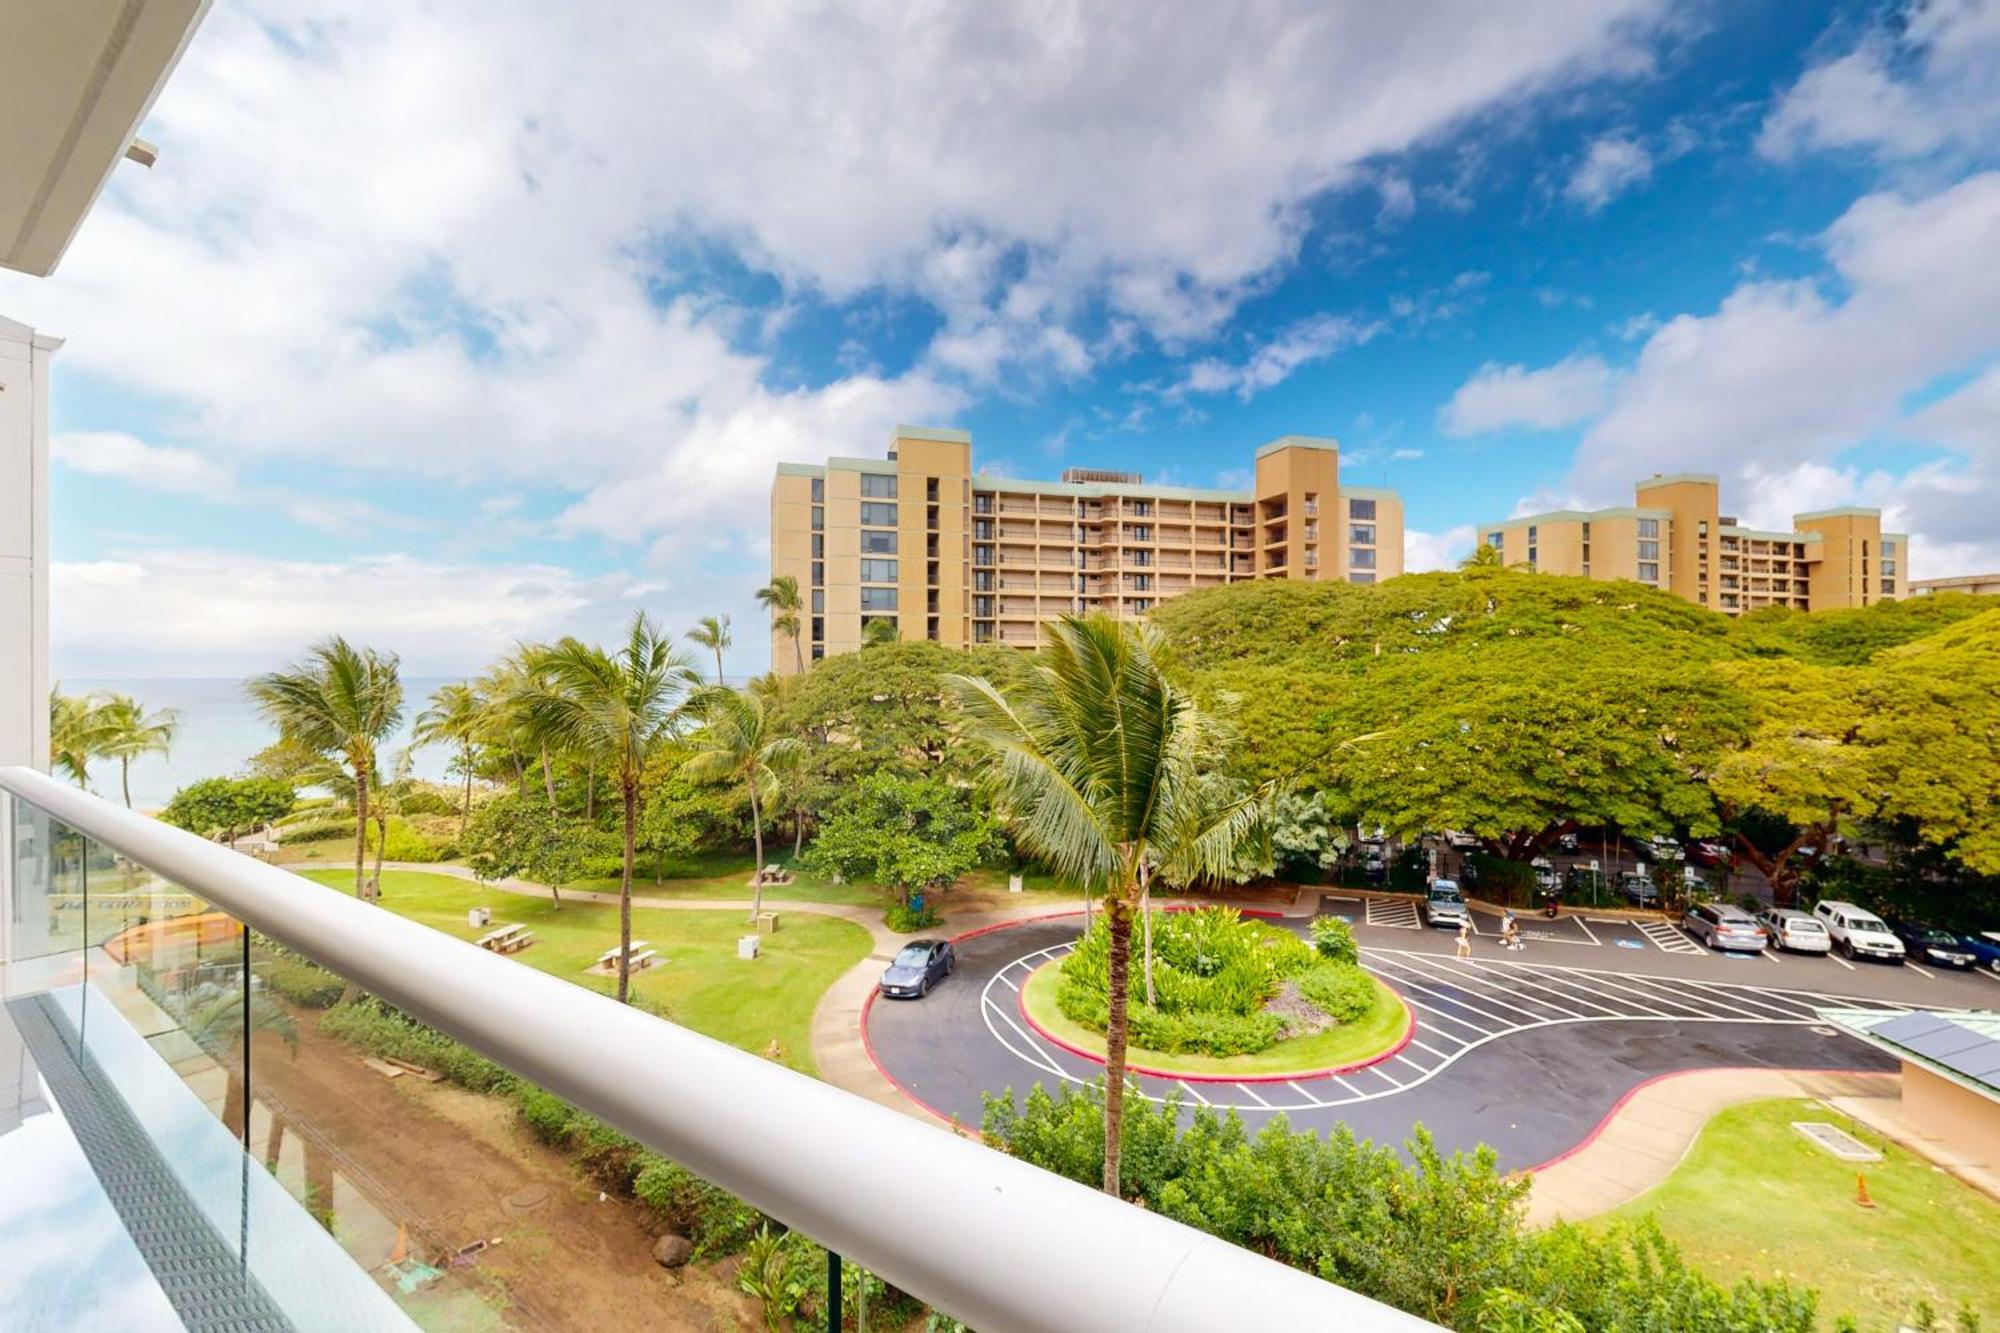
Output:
(613, 709)
(738, 743)
(340, 702)
(1097, 770)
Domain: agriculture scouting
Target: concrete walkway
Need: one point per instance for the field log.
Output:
(1649, 1133)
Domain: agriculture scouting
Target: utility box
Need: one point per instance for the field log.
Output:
(746, 947)
(1013, 883)
(476, 917)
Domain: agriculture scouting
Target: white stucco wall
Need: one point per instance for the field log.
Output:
(24, 544)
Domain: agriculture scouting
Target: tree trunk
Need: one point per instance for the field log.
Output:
(798, 653)
(125, 778)
(465, 802)
(718, 664)
(1146, 914)
(631, 793)
(589, 792)
(757, 833)
(381, 848)
(274, 1144)
(798, 832)
(360, 826)
(548, 778)
(1118, 908)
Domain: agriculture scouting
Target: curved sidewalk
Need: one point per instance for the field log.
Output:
(1649, 1132)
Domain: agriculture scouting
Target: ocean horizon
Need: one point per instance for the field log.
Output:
(219, 730)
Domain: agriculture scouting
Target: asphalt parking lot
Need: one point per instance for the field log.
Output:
(1526, 1051)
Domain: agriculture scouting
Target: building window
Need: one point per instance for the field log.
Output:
(878, 599)
(1360, 558)
(819, 547)
(1361, 577)
(1142, 582)
(1141, 508)
(819, 518)
(1141, 532)
(819, 490)
(818, 573)
(1142, 557)
(818, 652)
(1531, 555)
(878, 571)
(1649, 527)
(982, 504)
(982, 580)
(1496, 540)
(818, 629)
(1888, 549)
(982, 529)
(1888, 587)
(878, 515)
(878, 485)
(1649, 573)
(983, 607)
(982, 555)
(931, 490)
(878, 543)
(1361, 509)
(1649, 550)
(819, 601)
(1888, 565)
(1361, 534)
(1142, 604)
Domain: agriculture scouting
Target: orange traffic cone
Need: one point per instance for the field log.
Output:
(1861, 1191)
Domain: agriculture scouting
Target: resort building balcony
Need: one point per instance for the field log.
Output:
(170, 1079)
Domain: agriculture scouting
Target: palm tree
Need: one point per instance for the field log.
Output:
(781, 597)
(129, 731)
(341, 702)
(456, 716)
(77, 733)
(712, 633)
(737, 744)
(1098, 773)
(615, 709)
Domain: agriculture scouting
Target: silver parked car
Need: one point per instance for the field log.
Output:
(1795, 931)
(1720, 926)
(1444, 905)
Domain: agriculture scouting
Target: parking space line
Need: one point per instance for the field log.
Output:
(1919, 971)
(1352, 1091)
(1010, 982)
(1422, 1045)
(1411, 1063)
(1310, 1099)
(1251, 1092)
(1584, 926)
(1192, 1093)
(1376, 1070)
(1842, 961)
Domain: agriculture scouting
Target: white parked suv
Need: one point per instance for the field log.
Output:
(1858, 933)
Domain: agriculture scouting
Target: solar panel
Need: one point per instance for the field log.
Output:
(1946, 1042)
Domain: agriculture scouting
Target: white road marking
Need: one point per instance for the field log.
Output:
(1471, 977)
(1010, 982)
(1246, 1088)
(1989, 974)
(1584, 926)
(1393, 914)
(1422, 1045)
(1310, 1099)
(1919, 971)
(1842, 961)
(1192, 1093)
(1411, 1063)
(1666, 938)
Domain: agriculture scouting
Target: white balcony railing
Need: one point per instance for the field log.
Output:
(997, 1243)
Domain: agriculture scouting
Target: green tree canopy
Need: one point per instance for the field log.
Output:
(515, 835)
(911, 833)
(229, 807)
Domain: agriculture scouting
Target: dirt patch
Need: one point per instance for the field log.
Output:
(430, 1168)
(1300, 1016)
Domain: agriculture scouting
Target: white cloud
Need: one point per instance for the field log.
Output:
(1613, 165)
(128, 458)
(1301, 344)
(1784, 373)
(1927, 81)
(1501, 397)
(212, 612)
(1437, 550)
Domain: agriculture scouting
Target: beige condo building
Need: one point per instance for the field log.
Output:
(943, 553)
(1675, 537)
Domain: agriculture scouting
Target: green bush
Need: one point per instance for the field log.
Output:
(549, 1116)
(319, 830)
(906, 920)
(1334, 939)
(303, 983)
(715, 1220)
(1442, 1237)
(381, 1029)
(1342, 991)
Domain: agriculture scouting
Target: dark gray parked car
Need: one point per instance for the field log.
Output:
(920, 965)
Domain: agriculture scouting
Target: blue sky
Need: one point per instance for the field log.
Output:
(445, 327)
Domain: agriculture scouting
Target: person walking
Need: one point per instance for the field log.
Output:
(1510, 932)
(1465, 938)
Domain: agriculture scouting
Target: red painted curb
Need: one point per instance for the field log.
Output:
(1643, 1084)
(1409, 1032)
(868, 1046)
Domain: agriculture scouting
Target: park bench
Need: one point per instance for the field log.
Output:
(507, 939)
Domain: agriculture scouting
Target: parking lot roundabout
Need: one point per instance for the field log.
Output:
(1526, 1051)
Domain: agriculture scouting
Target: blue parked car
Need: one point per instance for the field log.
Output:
(1984, 946)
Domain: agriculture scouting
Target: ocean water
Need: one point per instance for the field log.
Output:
(219, 731)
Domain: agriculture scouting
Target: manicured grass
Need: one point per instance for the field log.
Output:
(728, 877)
(701, 982)
(1754, 1197)
(1378, 1031)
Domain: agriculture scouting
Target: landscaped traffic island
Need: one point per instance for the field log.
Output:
(1233, 998)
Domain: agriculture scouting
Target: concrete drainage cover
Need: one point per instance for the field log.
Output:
(526, 1200)
(1837, 1141)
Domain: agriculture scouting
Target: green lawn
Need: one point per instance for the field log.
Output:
(702, 983)
(1383, 1027)
(1754, 1197)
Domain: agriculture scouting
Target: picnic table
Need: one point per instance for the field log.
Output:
(507, 939)
(640, 956)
